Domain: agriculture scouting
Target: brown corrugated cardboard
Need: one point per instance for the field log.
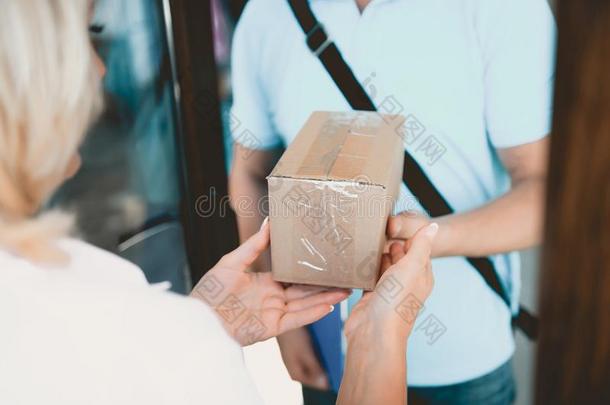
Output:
(330, 196)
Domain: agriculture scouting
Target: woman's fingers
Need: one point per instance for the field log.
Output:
(293, 320)
(303, 311)
(242, 257)
(329, 298)
(297, 291)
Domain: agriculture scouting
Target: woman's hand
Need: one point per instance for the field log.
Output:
(406, 282)
(378, 328)
(252, 306)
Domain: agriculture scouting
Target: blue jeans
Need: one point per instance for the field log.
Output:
(495, 388)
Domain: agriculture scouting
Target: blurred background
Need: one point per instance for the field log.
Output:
(158, 159)
(127, 195)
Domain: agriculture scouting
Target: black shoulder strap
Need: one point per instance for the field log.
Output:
(414, 176)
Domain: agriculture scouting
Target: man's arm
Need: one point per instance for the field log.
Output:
(514, 221)
(247, 187)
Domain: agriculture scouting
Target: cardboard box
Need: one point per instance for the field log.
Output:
(330, 196)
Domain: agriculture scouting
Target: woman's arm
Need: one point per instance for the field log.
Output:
(379, 326)
(375, 368)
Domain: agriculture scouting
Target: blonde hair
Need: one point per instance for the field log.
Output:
(49, 94)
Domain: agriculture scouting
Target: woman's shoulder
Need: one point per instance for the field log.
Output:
(92, 263)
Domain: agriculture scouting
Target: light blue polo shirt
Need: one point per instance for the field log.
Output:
(471, 76)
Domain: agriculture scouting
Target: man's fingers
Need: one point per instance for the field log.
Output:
(386, 262)
(397, 251)
(405, 224)
(328, 298)
(321, 383)
(250, 250)
(408, 245)
(293, 320)
(309, 372)
(316, 377)
(421, 247)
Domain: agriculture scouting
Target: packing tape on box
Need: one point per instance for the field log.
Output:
(339, 152)
(324, 213)
(343, 147)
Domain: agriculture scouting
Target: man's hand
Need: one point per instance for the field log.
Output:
(404, 226)
(301, 360)
(513, 221)
(252, 306)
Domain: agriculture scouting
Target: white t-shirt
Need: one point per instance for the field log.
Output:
(471, 76)
(95, 332)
